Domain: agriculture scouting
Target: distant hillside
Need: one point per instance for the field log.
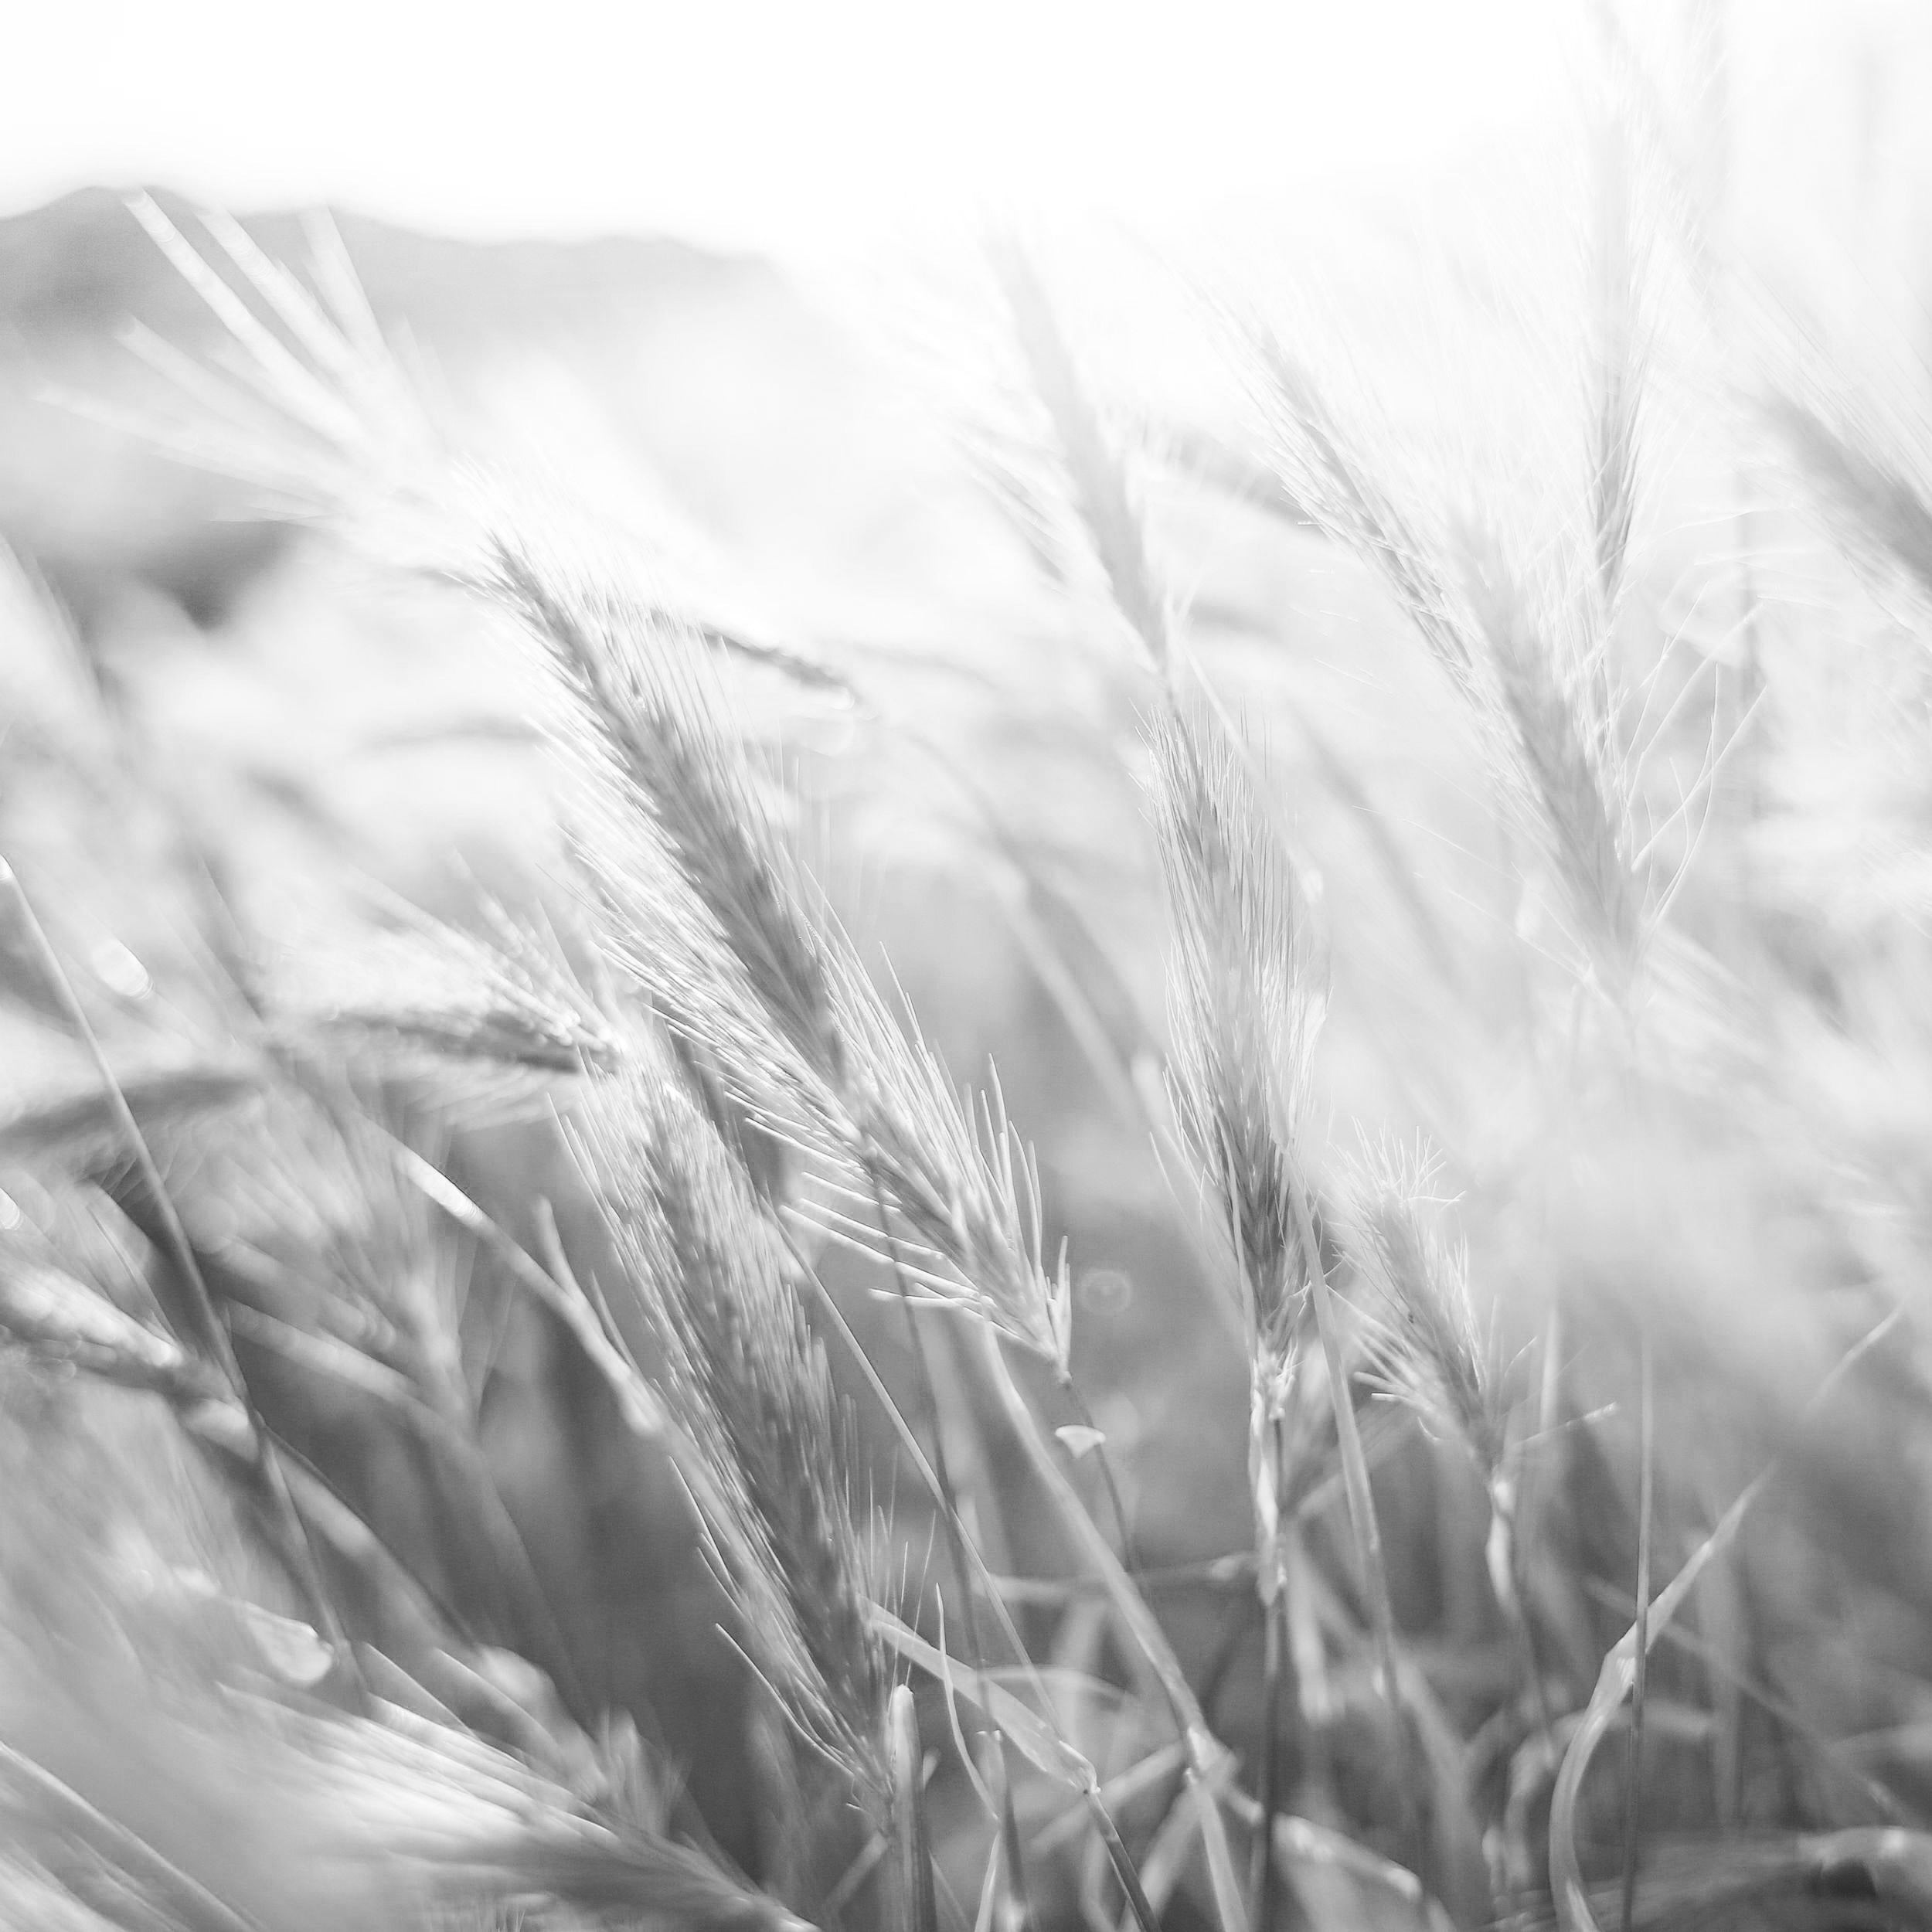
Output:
(707, 367)
(83, 265)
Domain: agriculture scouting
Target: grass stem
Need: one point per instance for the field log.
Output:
(1158, 1662)
(1011, 1912)
(1275, 1673)
(1362, 1511)
(1138, 1903)
(1646, 1501)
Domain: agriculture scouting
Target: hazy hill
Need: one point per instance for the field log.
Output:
(81, 265)
(677, 343)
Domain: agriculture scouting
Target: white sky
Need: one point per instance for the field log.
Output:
(810, 127)
(818, 124)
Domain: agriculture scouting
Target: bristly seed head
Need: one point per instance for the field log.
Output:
(750, 1386)
(637, 681)
(1247, 1001)
(1424, 1340)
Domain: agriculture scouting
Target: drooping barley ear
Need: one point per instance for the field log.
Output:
(1555, 700)
(1247, 999)
(1529, 662)
(1095, 477)
(1317, 457)
(713, 918)
(956, 1172)
(709, 910)
(636, 685)
(1248, 1003)
(749, 1385)
(1436, 1357)
(442, 1009)
(1429, 1347)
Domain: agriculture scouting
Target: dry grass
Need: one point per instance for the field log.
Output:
(340, 1431)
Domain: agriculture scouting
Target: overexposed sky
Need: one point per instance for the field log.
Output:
(800, 127)
(810, 127)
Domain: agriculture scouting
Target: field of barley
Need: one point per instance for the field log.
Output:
(1069, 1087)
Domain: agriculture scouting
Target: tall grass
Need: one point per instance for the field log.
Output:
(293, 1633)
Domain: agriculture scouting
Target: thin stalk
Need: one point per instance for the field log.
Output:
(1232, 1572)
(1275, 1671)
(1071, 1389)
(1549, 1439)
(1723, 1618)
(1220, 1662)
(1016, 1913)
(1138, 1903)
(1160, 1663)
(912, 1837)
(643, 1414)
(1137, 1780)
(1792, 1723)
(1361, 1500)
(1550, 1391)
(1313, 1699)
(1233, 1632)
(1646, 1499)
(1617, 1678)
(298, 1552)
(1508, 1565)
